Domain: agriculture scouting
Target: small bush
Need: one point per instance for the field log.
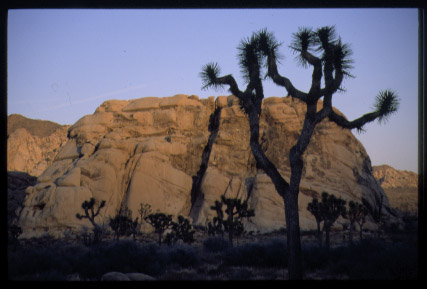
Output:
(215, 244)
(184, 256)
(272, 254)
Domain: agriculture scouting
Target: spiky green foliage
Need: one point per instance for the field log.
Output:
(210, 73)
(324, 36)
(342, 57)
(386, 103)
(249, 57)
(267, 43)
(161, 222)
(303, 40)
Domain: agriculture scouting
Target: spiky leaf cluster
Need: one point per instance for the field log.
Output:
(324, 41)
(210, 73)
(386, 103)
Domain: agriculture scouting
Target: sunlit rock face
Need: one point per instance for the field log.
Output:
(401, 187)
(149, 151)
(33, 144)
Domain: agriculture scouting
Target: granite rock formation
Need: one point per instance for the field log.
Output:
(33, 144)
(152, 150)
(400, 186)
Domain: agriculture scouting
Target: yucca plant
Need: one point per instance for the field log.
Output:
(331, 62)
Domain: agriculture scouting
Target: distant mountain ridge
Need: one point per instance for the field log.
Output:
(33, 144)
(36, 127)
(400, 186)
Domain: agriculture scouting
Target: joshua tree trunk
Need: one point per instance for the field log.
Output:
(261, 50)
(327, 230)
(319, 234)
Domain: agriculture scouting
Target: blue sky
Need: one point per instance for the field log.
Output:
(62, 64)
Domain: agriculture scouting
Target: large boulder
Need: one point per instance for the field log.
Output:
(149, 151)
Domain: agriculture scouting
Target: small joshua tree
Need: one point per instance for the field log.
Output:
(327, 210)
(236, 211)
(315, 208)
(161, 222)
(91, 214)
(122, 224)
(332, 208)
(182, 230)
(356, 214)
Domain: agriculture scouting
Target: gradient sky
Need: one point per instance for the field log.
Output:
(62, 64)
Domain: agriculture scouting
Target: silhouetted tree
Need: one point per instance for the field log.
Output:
(123, 225)
(235, 211)
(356, 214)
(161, 222)
(333, 64)
(90, 214)
(315, 209)
(181, 230)
(331, 208)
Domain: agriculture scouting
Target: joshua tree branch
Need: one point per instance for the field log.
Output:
(357, 123)
(283, 81)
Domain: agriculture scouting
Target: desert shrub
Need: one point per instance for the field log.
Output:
(183, 256)
(35, 261)
(367, 259)
(215, 244)
(123, 256)
(272, 254)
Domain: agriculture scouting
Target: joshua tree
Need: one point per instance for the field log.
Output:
(90, 214)
(331, 208)
(236, 210)
(333, 64)
(356, 214)
(327, 211)
(161, 222)
(315, 208)
(122, 224)
(182, 230)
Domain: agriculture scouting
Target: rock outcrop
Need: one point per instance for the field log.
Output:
(401, 187)
(33, 144)
(150, 150)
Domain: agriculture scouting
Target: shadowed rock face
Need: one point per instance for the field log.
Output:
(148, 151)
